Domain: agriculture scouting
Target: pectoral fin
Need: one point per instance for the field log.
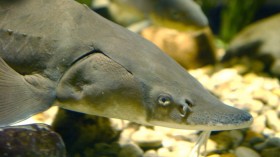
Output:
(22, 96)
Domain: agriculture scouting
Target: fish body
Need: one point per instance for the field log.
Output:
(59, 52)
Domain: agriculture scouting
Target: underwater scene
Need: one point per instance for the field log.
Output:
(139, 78)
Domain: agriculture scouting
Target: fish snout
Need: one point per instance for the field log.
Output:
(219, 117)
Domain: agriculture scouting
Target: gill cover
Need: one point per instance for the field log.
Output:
(98, 85)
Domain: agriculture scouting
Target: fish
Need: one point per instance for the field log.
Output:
(60, 52)
(176, 14)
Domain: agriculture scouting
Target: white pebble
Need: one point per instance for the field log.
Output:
(245, 152)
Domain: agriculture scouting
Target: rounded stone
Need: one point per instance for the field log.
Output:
(211, 145)
(225, 75)
(150, 153)
(164, 152)
(259, 123)
(131, 150)
(276, 92)
(272, 120)
(271, 84)
(245, 152)
(252, 104)
(182, 148)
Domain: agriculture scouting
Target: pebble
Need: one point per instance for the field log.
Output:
(179, 134)
(252, 105)
(225, 75)
(277, 135)
(147, 138)
(182, 148)
(276, 92)
(259, 123)
(246, 152)
(164, 152)
(150, 153)
(272, 120)
(211, 145)
(125, 136)
(267, 97)
(271, 84)
(268, 132)
(131, 150)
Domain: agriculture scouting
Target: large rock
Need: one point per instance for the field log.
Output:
(86, 135)
(259, 40)
(35, 140)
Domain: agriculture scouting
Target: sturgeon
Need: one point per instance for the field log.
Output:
(177, 14)
(59, 52)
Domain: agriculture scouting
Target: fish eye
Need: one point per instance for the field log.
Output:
(164, 99)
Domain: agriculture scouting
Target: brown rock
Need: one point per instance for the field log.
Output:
(252, 42)
(190, 49)
(31, 141)
(84, 133)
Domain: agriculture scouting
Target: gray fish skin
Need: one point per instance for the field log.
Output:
(59, 52)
